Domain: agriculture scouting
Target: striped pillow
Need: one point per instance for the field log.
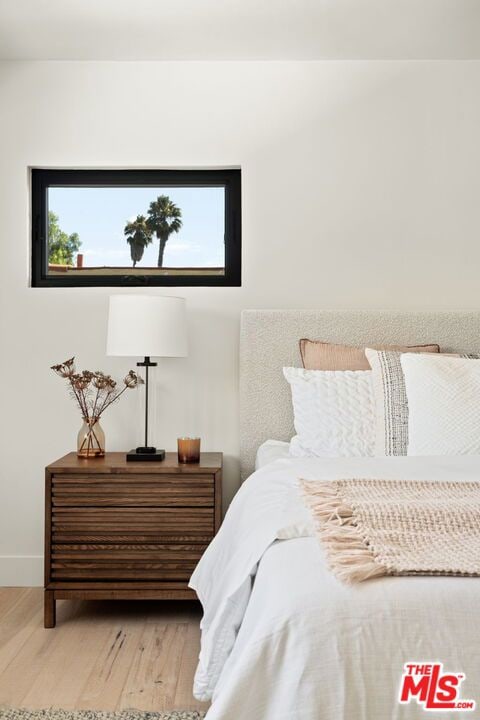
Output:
(391, 404)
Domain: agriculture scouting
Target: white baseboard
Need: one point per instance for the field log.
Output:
(21, 570)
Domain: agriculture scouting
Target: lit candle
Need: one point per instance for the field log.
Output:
(188, 450)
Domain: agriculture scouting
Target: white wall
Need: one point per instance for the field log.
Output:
(360, 189)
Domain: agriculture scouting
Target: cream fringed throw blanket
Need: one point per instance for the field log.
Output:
(371, 528)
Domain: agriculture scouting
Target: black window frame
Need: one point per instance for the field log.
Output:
(42, 179)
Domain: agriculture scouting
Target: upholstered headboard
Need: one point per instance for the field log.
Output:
(269, 341)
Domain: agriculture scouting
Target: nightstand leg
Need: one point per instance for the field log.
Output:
(49, 609)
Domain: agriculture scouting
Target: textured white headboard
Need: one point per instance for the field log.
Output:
(269, 341)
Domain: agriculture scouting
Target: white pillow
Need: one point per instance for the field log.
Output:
(333, 412)
(444, 404)
(269, 451)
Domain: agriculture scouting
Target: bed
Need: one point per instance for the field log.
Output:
(281, 636)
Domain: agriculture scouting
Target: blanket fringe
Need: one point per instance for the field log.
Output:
(348, 554)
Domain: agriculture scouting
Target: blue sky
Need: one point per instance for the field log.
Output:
(99, 216)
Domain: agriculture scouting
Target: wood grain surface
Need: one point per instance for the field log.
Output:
(103, 656)
(115, 529)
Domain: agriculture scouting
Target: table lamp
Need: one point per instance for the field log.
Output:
(146, 326)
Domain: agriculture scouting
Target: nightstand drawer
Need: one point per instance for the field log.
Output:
(134, 572)
(114, 562)
(123, 491)
(131, 521)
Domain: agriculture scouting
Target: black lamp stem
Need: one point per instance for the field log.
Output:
(146, 405)
(146, 453)
(147, 363)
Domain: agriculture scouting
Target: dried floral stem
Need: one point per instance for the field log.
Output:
(107, 402)
(96, 401)
(94, 392)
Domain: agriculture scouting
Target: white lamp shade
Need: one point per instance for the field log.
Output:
(145, 325)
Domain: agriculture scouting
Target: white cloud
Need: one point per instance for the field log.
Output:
(182, 247)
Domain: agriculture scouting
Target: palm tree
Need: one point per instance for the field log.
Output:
(164, 218)
(138, 236)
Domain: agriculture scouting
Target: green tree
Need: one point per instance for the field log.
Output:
(61, 247)
(164, 218)
(138, 236)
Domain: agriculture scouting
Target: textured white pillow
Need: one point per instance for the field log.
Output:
(333, 412)
(443, 404)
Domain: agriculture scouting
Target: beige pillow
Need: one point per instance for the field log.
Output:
(318, 355)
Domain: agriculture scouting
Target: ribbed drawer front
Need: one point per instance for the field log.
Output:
(133, 521)
(123, 491)
(142, 536)
(128, 561)
(134, 528)
(98, 551)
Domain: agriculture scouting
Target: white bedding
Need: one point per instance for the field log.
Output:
(271, 450)
(282, 638)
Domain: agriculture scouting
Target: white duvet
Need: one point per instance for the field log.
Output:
(283, 639)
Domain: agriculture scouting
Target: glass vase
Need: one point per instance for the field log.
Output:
(91, 439)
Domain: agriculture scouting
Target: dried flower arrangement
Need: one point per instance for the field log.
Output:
(94, 392)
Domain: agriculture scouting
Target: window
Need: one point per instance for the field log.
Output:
(136, 227)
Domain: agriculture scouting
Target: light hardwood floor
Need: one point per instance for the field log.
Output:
(101, 655)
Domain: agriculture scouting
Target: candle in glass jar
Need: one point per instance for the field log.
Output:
(188, 450)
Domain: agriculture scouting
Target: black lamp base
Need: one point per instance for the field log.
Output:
(146, 454)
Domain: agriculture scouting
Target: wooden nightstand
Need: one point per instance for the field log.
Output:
(118, 530)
